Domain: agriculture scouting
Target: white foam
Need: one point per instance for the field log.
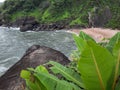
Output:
(14, 28)
(3, 69)
(8, 59)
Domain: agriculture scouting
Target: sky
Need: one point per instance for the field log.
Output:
(2, 0)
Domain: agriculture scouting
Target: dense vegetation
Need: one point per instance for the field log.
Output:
(71, 12)
(96, 67)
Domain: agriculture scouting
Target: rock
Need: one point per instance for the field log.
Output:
(26, 23)
(99, 16)
(107, 15)
(27, 27)
(2, 21)
(33, 57)
(50, 27)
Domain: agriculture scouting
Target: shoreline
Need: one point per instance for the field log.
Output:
(98, 34)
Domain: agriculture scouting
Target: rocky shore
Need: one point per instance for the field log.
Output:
(31, 24)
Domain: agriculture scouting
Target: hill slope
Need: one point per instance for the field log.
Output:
(81, 13)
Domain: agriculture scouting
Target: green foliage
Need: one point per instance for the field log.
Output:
(67, 73)
(114, 23)
(95, 73)
(40, 79)
(114, 40)
(72, 12)
(99, 65)
(115, 8)
(80, 43)
(33, 82)
(96, 68)
(77, 21)
(37, 14)
(17, 15)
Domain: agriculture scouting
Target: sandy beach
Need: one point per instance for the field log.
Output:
(97, 33)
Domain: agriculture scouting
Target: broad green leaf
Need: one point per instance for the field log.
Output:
(85, 36)
(25, 74)
(68, 73)
(113, 41)
(53, 83)
(96, 66)
(79, 42)
(31, 82)
(41, 68)
(36, 85)
(116, 53)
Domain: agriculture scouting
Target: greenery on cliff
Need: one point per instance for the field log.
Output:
(69, 12)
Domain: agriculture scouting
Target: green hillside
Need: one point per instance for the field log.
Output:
(69, 12)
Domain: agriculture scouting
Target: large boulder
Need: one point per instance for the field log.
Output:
(33, 57)
(99, 17)
(28, 27)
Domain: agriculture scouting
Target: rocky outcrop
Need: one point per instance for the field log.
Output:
(99, 17)
(25, 23)
(29, 23)
(33, 57)
(50, 27)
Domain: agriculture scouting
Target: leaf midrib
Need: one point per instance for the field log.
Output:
(116, 70)
(97, 70)
(74, 80)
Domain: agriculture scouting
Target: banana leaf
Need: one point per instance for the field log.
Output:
(85, 37)
(32, 82)
(96, 66)
(115, 39)
(53, 83)
(68, 73)
(116, 54)
(80, 43)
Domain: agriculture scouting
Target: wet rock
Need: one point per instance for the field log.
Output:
(27, 27)
(50, 27)
(33, 57)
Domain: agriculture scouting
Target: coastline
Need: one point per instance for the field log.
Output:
(98, 34)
